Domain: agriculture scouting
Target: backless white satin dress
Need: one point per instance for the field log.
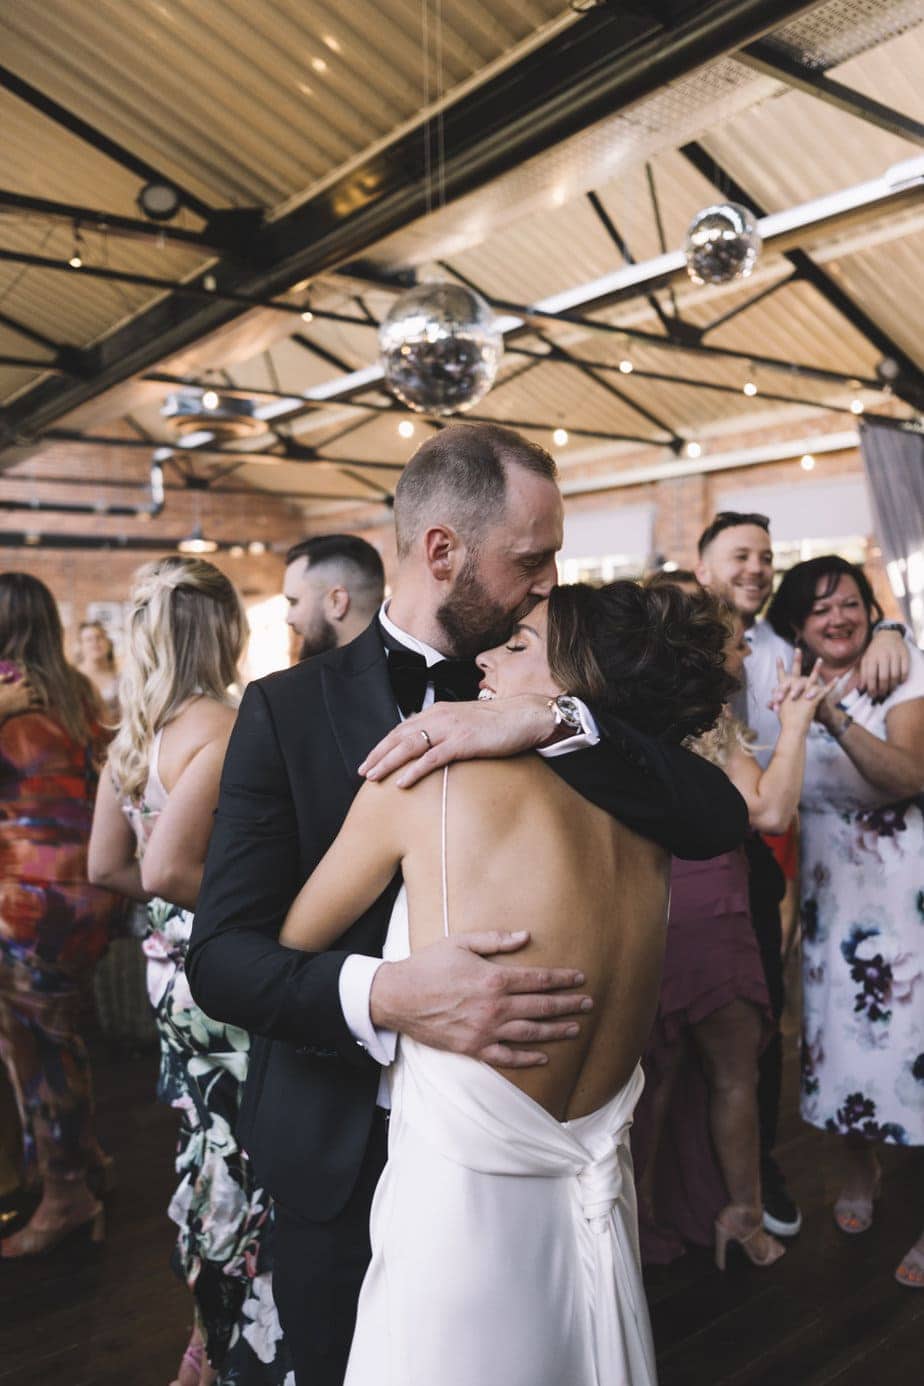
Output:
(504, 1242)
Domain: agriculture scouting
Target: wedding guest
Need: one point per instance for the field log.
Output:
(96, 659)
(736, 564)
(714, 1004)
(334, 584)
(151, 828)
(54, 925)
(862, 888)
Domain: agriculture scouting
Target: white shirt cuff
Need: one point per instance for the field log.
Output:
(589, 735)
(355, 987)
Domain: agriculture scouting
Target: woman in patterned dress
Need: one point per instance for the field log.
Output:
(862, 891)
(150, 833)
(54, 926)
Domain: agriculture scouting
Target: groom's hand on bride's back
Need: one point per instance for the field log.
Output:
(460, 994)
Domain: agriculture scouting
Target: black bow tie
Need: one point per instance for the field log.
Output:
(454, 680)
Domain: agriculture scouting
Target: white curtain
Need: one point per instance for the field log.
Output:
(894, 463)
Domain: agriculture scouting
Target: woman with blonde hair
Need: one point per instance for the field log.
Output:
(54, 925)
(151, 828)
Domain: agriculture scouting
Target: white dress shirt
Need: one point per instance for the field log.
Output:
(358, 971)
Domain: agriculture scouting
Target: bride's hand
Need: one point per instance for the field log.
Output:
(460, 731)
(460, 994)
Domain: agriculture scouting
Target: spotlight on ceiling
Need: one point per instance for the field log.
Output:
(196, 543)
(159, 200)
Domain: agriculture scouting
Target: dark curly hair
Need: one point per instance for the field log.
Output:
(653, 657)
(812, 581)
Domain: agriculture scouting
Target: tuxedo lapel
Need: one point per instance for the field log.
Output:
(359, 698)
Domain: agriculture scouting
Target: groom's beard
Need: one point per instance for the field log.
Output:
(472, 620)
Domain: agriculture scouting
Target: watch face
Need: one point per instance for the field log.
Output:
(568, 708)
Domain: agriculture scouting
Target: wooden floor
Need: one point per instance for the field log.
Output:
(830, 1312)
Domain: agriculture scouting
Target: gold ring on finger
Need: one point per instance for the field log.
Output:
(426, 737)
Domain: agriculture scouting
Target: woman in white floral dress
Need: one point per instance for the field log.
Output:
(862, 891)
(151, 828)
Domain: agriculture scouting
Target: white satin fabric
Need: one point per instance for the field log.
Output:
(504, 1242)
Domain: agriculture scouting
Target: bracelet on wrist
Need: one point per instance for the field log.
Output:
(840, 731)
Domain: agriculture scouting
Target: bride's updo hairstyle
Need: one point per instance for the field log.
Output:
(651, 656)
(186, 633)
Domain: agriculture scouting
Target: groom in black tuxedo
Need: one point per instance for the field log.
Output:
(479, 520)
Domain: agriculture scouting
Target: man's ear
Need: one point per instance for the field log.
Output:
(444, 552)
(703, 575)
(337, 602)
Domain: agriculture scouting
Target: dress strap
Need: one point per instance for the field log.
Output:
(443, 854)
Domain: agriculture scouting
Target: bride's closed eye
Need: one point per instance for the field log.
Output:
(514, 649)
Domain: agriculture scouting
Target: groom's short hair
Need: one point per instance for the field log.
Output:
(459, 477)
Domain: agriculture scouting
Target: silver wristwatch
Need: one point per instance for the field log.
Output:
(566, 712)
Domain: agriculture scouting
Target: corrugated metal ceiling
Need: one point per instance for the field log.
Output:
(247, 104)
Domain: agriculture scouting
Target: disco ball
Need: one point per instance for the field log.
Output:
(440, 348)
(723, 244)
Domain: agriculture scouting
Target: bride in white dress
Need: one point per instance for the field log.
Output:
(504, 1232)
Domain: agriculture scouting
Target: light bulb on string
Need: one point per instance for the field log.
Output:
(626, 366)
(406, 428)
(749, 388)
(560, 437)
(76, 259)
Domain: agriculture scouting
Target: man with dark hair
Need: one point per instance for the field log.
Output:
(480, 520)
(736, 563)
(334, 584)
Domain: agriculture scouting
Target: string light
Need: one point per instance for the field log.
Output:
(694, 449)
(560, 437)
(626, 366)
(807, 463)
(406, 428)
(210, 399)
(749, 388)
(76, 260)
(307, 316)
(856, 406)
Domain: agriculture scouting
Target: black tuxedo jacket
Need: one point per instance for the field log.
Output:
(288, 781)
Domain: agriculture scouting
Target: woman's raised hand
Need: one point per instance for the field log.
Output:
(797, 695)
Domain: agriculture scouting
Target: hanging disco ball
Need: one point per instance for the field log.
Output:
(440, 348)
(723, 244)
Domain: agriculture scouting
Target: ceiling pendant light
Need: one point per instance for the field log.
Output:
(196, 543)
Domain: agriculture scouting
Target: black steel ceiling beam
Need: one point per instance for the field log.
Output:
(194, 288)
(909, 384)
(27, 363)
(90, 135)
(30, 333)
(771, 60)
(614, 56)
(98, 482)
(619, 241)
(293, 452)
(107, 223)
(75, 507)
(748, 303)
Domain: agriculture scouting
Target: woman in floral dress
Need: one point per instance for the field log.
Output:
(862, 891)
(150, 833)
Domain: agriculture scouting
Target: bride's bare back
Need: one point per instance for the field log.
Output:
(524, 851)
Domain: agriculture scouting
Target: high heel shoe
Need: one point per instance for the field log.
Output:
(36, 1241)
(910, 1272)
(855, 1215)
(724, 1237)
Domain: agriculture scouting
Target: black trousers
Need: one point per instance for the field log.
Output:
(767, 886)
(317, 1271)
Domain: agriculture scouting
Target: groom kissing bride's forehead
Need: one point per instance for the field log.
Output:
(479, 508)
(479, 519)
